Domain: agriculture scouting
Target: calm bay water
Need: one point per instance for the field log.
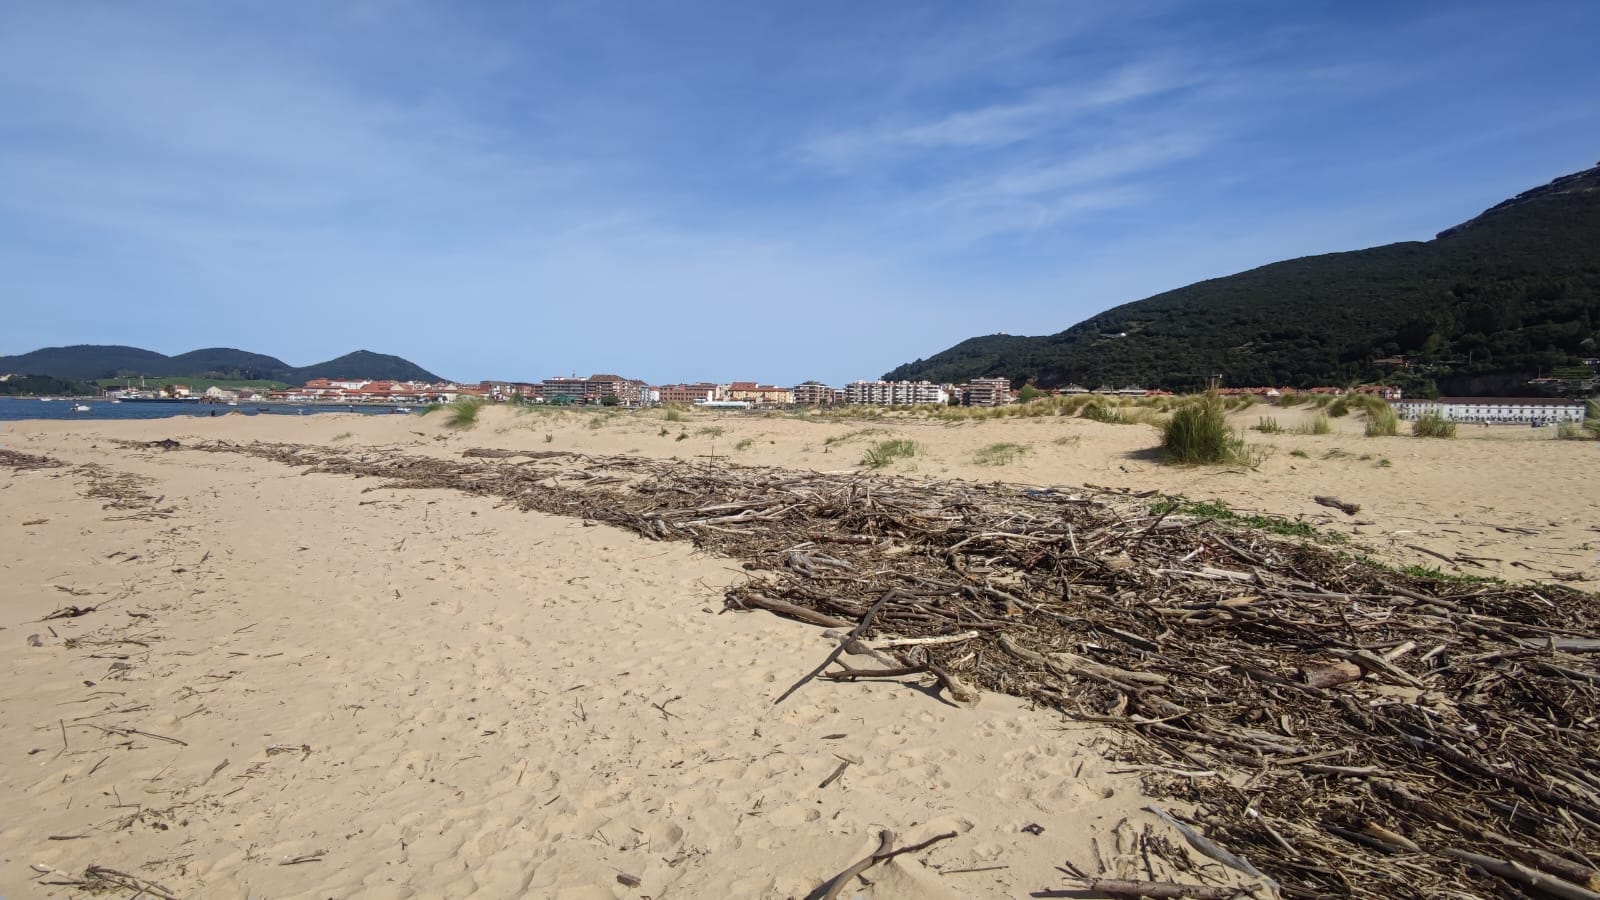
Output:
(15, 408)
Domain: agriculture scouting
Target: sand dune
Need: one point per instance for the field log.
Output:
(297, 685)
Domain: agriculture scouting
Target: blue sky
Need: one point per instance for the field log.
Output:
(770, 191)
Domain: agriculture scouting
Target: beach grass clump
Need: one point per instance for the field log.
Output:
(463, 413)
(1587, 430)
(1382, 422)
(1318, 424)
(744, 444)
(342, 436)
(1433, 425)
(1267, 425)
(1339, 407)
(1100, 411)
(1565, 431)
(682, 436)
(885, 452)
(714, 431)
(1198, 434)
(1001, 454)
(676, 413)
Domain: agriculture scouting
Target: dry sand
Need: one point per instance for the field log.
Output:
(422, 695)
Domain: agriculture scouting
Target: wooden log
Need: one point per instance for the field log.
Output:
(791, 611)
(1163, 890)
(1326, 675)
(1520, 874)
(1348, 509)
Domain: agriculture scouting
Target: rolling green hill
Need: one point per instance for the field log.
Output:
(1483, 306)
(86, 362)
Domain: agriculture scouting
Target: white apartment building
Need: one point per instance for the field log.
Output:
(890, 393)
(1494, 410)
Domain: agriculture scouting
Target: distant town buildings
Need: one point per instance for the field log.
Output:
(615, 390)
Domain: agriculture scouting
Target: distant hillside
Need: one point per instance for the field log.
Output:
(85, 362)
(365, 364)
(1485, 305)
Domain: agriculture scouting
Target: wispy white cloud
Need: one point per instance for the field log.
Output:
(1042, 111)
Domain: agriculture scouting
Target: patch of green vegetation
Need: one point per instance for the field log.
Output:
(1421, 571)
(463, 413)
(1339, 408)
(743, 444)
(1385, 463)
(1002, 454)
(853, 436)
(432, 407)
(676, 414)
(714, 431)
(1433, 425)
(1267, 425)
(682, 436)
(885, 452)
(662, 432)
(342, 436)
(1222, 513)
(1300, 453)
(549, 438)
(1068, 440)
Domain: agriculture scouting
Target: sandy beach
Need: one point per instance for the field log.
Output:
(298, 685)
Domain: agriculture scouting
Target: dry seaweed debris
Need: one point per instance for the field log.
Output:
(1350, 730)
(21, 462)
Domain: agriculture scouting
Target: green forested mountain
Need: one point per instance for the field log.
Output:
(1483, 306)
(85, 362)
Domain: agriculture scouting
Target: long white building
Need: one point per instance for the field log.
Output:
(890, 393)
(1494, 410)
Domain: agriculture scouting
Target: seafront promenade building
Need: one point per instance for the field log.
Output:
(1495, 410)
(700, 392)
(815, 393)
(594, 390)
(892, 393)
(987, 392)
(759, 394)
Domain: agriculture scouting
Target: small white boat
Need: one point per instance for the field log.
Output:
(81, 407)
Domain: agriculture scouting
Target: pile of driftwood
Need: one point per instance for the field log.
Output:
(1349, 730)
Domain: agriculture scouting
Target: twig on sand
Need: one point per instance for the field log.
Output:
(830, 889)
